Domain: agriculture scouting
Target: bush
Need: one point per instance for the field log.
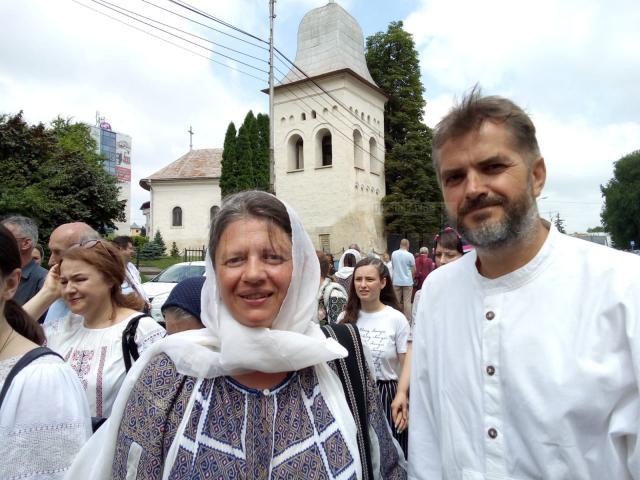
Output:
(175, 253)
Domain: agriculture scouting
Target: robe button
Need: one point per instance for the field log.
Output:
(490, 315)
(493, 433)
(491, 370)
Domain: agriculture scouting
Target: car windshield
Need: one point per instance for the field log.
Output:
(177, 273)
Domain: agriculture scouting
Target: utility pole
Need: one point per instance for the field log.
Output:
(272, 170)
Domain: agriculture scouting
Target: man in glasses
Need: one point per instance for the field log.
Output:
(526, 362)
(25, 231)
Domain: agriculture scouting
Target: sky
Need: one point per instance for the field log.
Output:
(574, 65)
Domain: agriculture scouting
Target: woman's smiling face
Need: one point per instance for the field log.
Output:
(253, 264)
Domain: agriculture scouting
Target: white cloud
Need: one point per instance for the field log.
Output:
(574, 65)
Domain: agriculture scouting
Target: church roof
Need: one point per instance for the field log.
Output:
(329, 40)
(195, 164)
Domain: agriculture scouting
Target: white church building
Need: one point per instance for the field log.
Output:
(329, 148)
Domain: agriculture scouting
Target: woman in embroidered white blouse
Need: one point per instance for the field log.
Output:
(252, 395)
(44, 417)
(90, 337)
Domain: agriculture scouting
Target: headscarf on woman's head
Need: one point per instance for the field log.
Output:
(353, 252)
(294, 341)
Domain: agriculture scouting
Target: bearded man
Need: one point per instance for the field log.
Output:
(526, 361)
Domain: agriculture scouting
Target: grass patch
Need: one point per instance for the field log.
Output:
(161, 263)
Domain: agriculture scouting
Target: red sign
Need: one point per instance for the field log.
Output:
(123, 174)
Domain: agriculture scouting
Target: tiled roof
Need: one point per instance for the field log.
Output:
(195, 164)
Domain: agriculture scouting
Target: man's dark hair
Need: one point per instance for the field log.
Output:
(473, 110)
(325, 263)
(123, 241)
(349, 260)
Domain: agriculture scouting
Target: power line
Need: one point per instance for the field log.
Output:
(183, 31)
(168, 41)
(106, 5)
(186, 6)
(206, 26)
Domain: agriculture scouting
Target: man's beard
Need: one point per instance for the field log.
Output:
(518, 223)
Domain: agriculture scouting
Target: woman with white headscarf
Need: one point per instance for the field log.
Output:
(253, 395)
(347, 261)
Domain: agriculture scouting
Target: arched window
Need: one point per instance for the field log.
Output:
(324, 155)
(295, 153)
(313, 114)
(176, 217)
(357, 150)
(373, 156)
(303, 116)
(213, 211)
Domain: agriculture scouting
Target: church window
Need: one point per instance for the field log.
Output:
(373, 156)
(295, 153)
(213, 211)
(357, 150)
(334, 108)
(325, 111)
(327, 151)
(313, 114)
(176, 217)
(303, 116)
(325, 242)
(362, 115)
(368, 118)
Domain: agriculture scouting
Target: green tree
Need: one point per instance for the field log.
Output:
(54, 175)
(598, 229)
(559, 223)
(413, 201)
(621, 212)
(159, 242)
(261, 153)
(245, 152)
(175, 253)
(229, 174)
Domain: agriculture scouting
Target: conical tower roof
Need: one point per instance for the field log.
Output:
(329, 40)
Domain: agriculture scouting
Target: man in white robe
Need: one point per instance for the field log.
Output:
(526, 352)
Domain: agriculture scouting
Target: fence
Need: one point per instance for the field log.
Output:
(194, 254)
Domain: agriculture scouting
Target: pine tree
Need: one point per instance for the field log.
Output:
(159, 241)
(229, 174)
(261, 156)
(245, 152)
(175, 253)
(413, 201)
(559, 223)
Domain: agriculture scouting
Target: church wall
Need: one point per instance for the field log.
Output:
(343, 200)
(195, 198)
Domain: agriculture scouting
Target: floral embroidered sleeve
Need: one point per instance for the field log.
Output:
(150, 421)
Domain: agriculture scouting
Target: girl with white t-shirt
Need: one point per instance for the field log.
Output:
(384, 329)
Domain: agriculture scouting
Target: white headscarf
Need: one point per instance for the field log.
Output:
(353, 252)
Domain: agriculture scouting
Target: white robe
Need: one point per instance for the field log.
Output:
(534, 374)
(44, 420)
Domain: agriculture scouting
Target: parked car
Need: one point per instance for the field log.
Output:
(160, 286)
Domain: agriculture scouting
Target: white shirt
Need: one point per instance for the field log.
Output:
(136, 281)
(44, 420)
(530, 375)
(385, 333)
(95, 354)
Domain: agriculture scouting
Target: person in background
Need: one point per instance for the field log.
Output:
(447, 247)
(90, 336)
(332, 266)
(424, 266)
(32, 277)
(37, 254)
(404, 269)
(332, 297)
(348, 260)
(133, 282)
(44, 416)
(181, 310)
(61, 239)
(387, 262)
(374, 309)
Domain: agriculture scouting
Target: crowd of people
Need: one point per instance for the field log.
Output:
(518, 360)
